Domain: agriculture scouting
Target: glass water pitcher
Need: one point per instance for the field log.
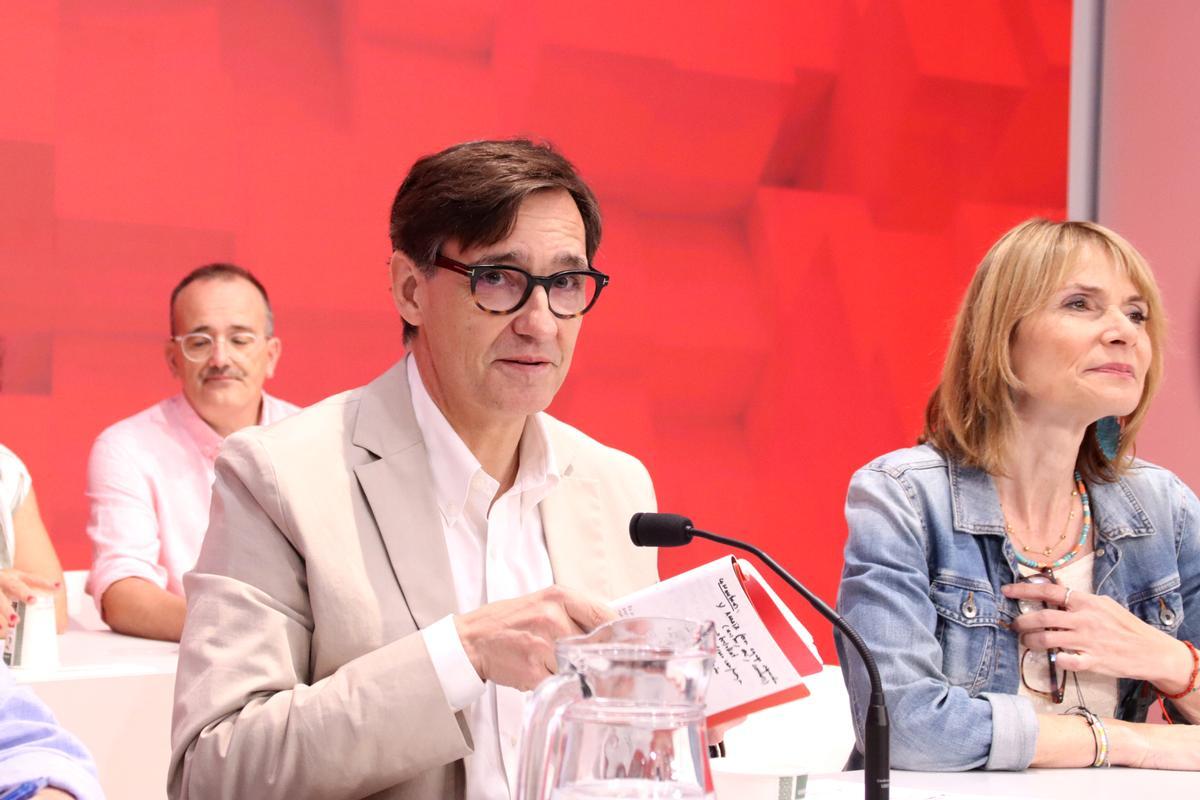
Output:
(624, 716)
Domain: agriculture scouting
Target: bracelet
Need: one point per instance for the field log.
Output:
(1193, 685)
(1099, 734)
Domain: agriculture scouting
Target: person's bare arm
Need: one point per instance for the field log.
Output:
(137, 607)
(1067, 741)
(34, 553)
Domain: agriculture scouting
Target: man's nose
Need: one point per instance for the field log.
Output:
(535, 319)
(219, 356)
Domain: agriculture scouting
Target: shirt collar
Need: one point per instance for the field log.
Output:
(453, 466)
(207, 440)
(202, 434)
(1116, 511)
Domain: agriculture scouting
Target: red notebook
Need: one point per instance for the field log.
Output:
(763, 652)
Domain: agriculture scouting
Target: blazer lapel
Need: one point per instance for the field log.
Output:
(572, 521)
(399, 492)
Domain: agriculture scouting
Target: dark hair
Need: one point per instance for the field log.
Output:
(221, 271)
(471, 192)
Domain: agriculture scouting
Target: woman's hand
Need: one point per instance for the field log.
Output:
(1143, 746)
(1096, 634)
(18, 586)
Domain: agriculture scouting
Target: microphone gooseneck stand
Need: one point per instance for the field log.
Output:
(673, 530)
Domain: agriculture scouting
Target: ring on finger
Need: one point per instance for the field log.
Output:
(1067, 599)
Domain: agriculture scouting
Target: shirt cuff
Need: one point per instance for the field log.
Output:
(460, 682)
(118, 569)
(1014, 731)
(63, 772)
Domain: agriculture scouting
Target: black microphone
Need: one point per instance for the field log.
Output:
(648, 529)
(660, 530)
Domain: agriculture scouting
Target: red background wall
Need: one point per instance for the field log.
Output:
(795, 194)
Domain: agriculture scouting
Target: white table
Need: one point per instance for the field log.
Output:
(1051, 784)
(114, 692)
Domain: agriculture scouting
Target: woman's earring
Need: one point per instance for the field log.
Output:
(1108, 436)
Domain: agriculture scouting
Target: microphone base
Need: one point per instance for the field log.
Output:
(877, 759)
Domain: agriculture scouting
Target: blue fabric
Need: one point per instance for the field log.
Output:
(32, 745)
(925, 559)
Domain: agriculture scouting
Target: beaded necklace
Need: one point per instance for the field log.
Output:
(1081, 489)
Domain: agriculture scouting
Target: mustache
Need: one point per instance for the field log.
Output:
(222, 372)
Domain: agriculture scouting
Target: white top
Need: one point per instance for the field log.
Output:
(495, 554)
(15, 484)
(1099, 691)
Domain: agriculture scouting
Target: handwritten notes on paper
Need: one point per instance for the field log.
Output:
(749, 663)
(734, 647)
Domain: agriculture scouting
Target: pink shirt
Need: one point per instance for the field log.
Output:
(149, 486)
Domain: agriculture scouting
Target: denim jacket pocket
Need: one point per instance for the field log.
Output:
(967, 625)
(1161, 606)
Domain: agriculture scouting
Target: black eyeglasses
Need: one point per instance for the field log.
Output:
(1057, 680)
(503, 290)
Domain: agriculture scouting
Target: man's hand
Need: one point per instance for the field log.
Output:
(511, 642)
(50, 793)
(716, 733)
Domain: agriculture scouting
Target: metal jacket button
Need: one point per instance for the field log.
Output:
(1165, 615)
(969, 609)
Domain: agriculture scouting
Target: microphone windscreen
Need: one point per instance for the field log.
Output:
(648, 529)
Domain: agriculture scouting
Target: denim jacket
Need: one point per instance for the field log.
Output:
(925, 560)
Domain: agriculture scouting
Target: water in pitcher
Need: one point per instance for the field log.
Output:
(630, 789)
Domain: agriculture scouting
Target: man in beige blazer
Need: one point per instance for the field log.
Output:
(306, 667)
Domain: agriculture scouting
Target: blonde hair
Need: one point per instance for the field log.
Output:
(971, 414)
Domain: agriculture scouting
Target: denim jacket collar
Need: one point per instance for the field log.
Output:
(1116, 511)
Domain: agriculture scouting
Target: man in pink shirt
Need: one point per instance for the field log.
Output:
(150, 476)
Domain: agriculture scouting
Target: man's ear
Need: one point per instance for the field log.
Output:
(408, 287)
(172, 355)
(274, 351)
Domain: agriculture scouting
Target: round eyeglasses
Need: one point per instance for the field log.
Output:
(198, 347)
(502, 290)
(1050, 680)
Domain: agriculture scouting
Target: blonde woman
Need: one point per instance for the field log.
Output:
(1028, 587)
(28, 564)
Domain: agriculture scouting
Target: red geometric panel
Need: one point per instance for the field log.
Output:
(649, 156)
(119, 276)
(29, 35)
(26, 232)
(26, 363)
(144, 132)
(795, 194)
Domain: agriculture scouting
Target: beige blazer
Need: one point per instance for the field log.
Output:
(301, 672)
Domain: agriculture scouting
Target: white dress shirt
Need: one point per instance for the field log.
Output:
(494, 555)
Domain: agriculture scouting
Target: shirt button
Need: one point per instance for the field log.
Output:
(1099, 552)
